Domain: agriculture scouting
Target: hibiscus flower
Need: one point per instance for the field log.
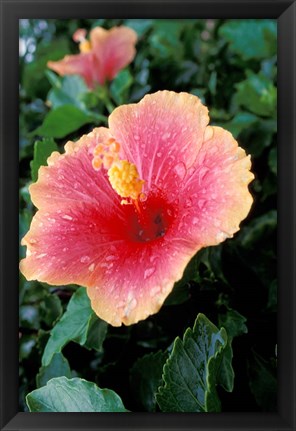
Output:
(100, 58)
(125, 208)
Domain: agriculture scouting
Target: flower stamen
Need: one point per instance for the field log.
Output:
(123, 175)
(79, 37)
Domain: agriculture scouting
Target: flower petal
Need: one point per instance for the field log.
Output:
(215, 194)
(161, 135)
(114, 49)
(79, 64)
(75, 203)
(134, 279)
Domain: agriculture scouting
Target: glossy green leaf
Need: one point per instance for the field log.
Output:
(62, 121)
(70, 90)
(234, 323)
(141, 26)
(25, 217)
(50, 309)
(58, 366)
(73, 395)
(258, 229)
(120, 86)
(42, 150)
(34, 80)
(96, 333)
(258, 94)
(251, 39)
(145, 378)
(190, 373)
(73, 326)
(29, 317)
(240, 122)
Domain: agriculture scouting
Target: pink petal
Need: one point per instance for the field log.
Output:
(79, 64)
(215, 193)
(114, 49)
(161, 135)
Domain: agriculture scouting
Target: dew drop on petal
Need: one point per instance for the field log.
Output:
(67, 217)
(155, 290)
(91, 267)
(85, 259)
(148, 272)
(180, 170)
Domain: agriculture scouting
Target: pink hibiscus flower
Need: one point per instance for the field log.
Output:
(100, 58)
(125, 208)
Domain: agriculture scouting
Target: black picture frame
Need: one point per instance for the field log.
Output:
(285, 13)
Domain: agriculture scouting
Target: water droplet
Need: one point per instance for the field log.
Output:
(166, 135)
(40, 256)
(91, 267)
(85, 259)
(148, 272)
(32, 241)
(188, 203)
(195, 220)
(67, 217)
(201, 203)
(155, 290)
(111, 257)
(159, 154)
(65, 249)
(131, 304)
(180, 170)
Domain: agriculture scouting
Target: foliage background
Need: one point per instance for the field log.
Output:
(231, 66)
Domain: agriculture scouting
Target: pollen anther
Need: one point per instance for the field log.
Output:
(124, 178)
(123, 175)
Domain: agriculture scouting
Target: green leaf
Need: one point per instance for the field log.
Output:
(145, 378)
(190, 373)
(165, 40)
(258, 94)
(62, 121)
(29, 317)
(25, 217)
(120, 86)
(96, 334)
(263, 382)
(73, 395)
(240, 122)
(234, 323)
(251, 39)
(73, 326)
(141, 26)
(58, 366)
(70, 90)
(259, 229)
(33, 79)
(26, 346)
(50, 309)
(42, 150)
